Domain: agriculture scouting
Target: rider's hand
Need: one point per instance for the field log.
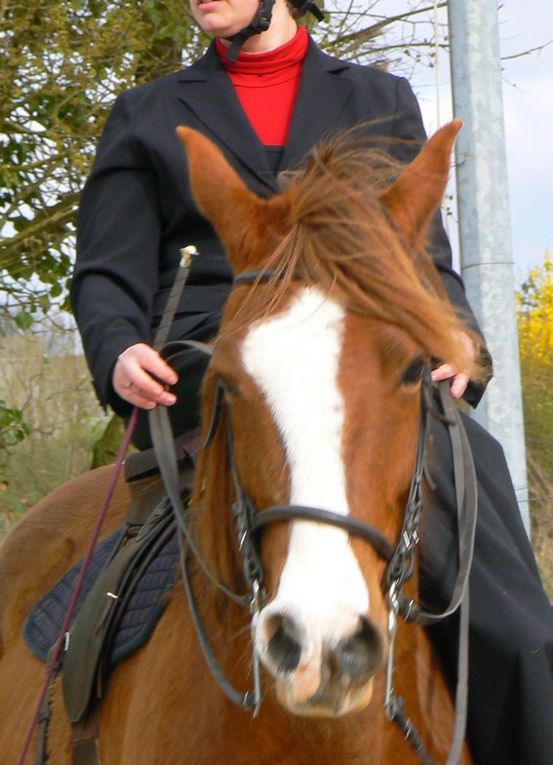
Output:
(133, 381)
(459, 380)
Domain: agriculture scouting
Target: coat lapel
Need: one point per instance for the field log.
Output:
(321, 98)
(207, 91)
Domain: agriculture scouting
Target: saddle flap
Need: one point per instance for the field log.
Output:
(96, 622)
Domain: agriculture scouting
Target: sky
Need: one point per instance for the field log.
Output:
(528, 98)
(528, 103)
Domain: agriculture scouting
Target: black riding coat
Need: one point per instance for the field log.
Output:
(137, 209)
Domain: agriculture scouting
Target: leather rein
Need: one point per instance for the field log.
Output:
(250, 523)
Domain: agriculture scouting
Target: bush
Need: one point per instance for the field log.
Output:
(535, 323)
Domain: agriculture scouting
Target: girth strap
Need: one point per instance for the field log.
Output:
(84, 738)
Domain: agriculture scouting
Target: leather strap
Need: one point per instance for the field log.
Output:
(144, 464)
(145, 495)
(299, 512)
(466, 489)
(162, 333)
(43, 727)
(160, 431)
(466, 493)
(84, 738)
(467, 507)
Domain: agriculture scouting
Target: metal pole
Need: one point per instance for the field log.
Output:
(484, 221)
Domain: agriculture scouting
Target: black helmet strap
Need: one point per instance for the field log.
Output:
(308, 6)
(260, 23)
(262, 20)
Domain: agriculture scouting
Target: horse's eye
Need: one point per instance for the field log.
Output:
(413, 374)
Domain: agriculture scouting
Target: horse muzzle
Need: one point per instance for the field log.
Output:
(319, 677)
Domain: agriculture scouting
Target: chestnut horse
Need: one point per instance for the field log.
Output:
(320, 365)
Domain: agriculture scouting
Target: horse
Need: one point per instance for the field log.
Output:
(317, 375)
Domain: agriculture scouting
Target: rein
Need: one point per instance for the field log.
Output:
(250, 522)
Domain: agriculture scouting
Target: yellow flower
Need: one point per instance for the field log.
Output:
(535, 315)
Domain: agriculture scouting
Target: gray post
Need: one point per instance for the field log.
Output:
(484, 220)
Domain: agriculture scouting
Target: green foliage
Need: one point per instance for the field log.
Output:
(49, 422)
(538, 415)
(13, 427)
(63, 63)
(24, 320)
(41, 464)
(106, 447)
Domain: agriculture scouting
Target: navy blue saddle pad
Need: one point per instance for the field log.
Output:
(142, 612)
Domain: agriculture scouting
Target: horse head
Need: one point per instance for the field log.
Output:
(320, 365)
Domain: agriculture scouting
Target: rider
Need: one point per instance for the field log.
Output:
(266, 94)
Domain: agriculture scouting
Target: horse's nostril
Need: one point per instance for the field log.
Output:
(283, 647)
(359, 655)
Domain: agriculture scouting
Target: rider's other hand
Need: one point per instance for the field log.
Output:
(459, 380)
(133, 381)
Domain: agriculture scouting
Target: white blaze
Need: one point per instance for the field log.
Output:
(294, 359)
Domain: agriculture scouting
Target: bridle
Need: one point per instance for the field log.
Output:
(250, 522)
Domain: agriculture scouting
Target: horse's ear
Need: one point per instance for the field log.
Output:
(219, 192)
(419, 190)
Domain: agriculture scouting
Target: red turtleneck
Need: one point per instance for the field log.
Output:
(267, 84)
